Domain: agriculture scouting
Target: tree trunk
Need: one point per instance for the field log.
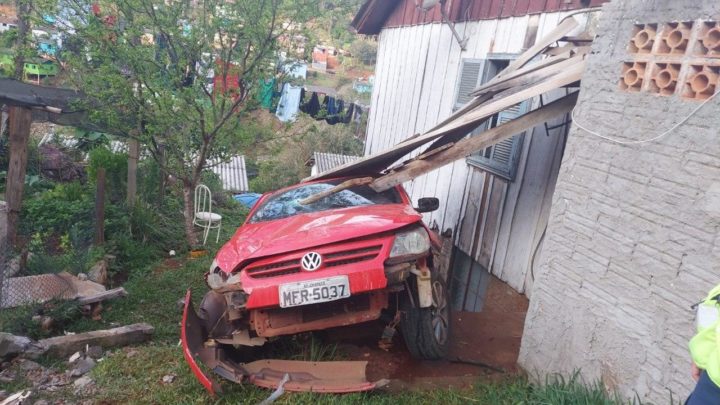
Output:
(22, 8)
(189, 212)
(20, 120)
(133, 154)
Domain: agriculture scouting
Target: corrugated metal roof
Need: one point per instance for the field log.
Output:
(323, 162)
(233, 174)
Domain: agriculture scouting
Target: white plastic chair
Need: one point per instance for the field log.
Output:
(204, 217)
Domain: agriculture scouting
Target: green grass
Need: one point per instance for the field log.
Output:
(137, 379)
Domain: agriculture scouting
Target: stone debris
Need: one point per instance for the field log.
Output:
(168, 379)
(29, 365)
(83, 385)
(94, 352)
(82, 367)
(17, 398)
(75, 357)
(11, 345)
(99, 272)
(7, 376)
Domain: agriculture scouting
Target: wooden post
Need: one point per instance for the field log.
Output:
(133, 154)
(100, 208)
(20, 120)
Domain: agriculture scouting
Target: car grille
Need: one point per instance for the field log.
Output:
(330, 259)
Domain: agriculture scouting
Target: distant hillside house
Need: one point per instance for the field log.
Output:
(324, 58)
(7, 23)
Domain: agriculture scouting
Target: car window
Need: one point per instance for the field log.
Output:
(287, 204)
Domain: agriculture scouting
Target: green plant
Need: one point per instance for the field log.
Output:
(115, 165)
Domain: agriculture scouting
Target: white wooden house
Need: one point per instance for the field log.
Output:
(495, 203)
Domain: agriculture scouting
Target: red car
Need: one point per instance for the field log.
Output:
(314, 256)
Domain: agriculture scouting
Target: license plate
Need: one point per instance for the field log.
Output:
(314, 291)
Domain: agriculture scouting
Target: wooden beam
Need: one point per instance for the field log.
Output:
(103, 296)
(469, 118)
(545, 66)
(63, 346)
(553, 36)
(360, 181)
(567, 76)
(470, 145)
(20, 120)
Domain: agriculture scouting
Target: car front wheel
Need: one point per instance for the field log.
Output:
(427, 330)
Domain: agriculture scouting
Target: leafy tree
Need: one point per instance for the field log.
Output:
(147, 67)
(364, 50)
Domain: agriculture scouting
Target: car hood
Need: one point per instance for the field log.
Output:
(255, 240)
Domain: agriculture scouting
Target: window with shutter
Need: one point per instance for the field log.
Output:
(502, 158)
(469, 79)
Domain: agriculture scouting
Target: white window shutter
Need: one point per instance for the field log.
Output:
(470, 70)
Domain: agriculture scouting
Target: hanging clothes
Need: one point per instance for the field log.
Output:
(265, 95)
(348, 116)
(333, 119)
(311, 107)
(289, 103)
(331, 108)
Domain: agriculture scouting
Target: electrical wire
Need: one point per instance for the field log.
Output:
(622, 142)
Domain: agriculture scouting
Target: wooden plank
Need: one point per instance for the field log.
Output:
(359, 181)
(530, 74)
(103, 296)
(491, 222)
(64, 346)
(458, 122)
(570, 75)
(20, 120)
(470, 145)
(561, 30)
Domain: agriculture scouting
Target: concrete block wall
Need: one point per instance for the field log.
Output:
(633, 238)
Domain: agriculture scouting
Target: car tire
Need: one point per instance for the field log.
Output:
(213, 314)
(427, 330)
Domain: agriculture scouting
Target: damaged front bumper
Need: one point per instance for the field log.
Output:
(324, 376)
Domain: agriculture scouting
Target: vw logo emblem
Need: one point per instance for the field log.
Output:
(311, 261)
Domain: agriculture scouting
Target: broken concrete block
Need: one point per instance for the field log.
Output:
(64, 346)
(11, 345)
(95, 352)
(29, 365)
(82, 382)
(75, 357)
(47, 286)
(98, 273)
(82, 367)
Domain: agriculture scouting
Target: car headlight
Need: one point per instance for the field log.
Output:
(217, 279)
(412, 242)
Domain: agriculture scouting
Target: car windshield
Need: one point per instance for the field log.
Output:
(287, 203)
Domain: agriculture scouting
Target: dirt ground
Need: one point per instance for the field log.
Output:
(483, 344)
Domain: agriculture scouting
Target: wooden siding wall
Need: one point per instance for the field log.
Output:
(415, 88)
(407, 13)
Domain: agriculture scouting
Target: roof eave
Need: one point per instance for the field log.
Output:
(372, 15)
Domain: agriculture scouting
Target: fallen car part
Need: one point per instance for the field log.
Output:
(330, 376)
(277, 393)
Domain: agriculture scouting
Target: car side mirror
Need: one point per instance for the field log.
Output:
(427, 204)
